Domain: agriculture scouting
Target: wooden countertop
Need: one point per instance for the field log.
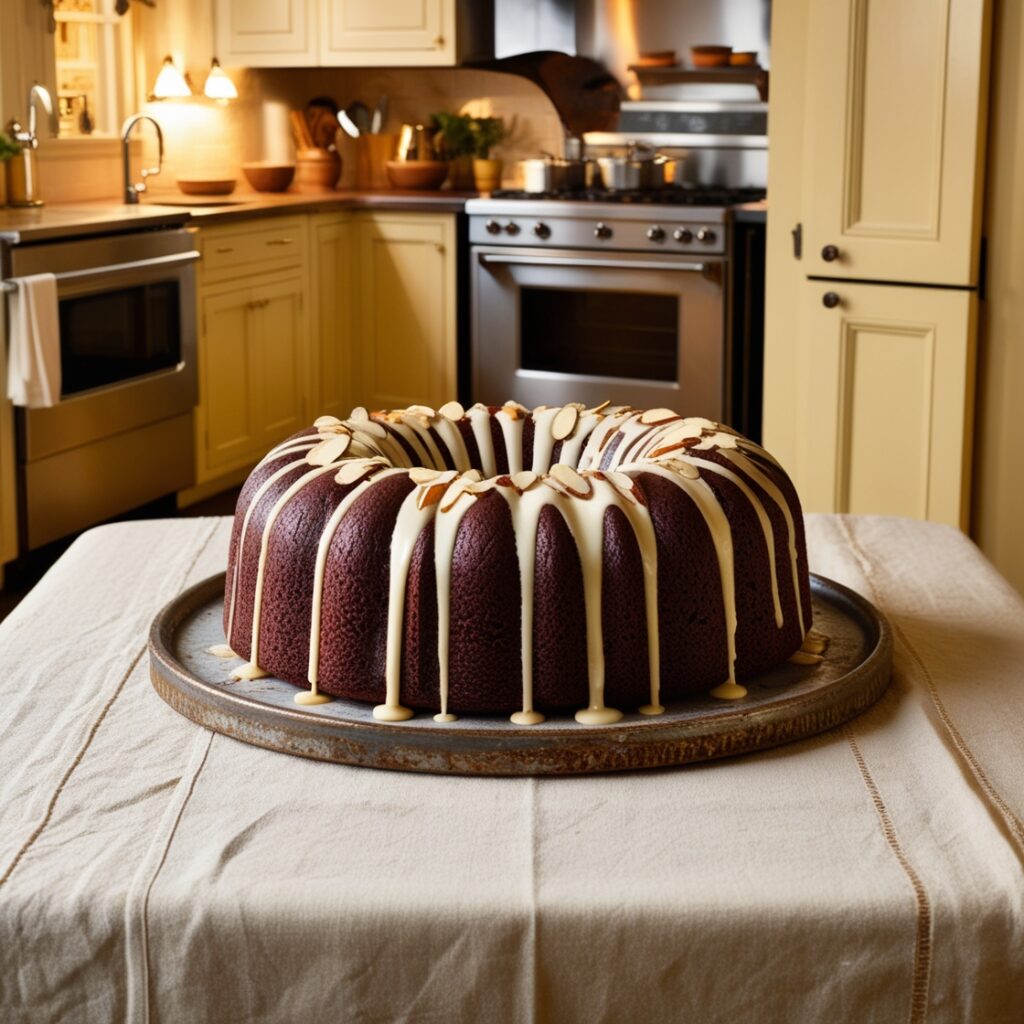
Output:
(67, 220)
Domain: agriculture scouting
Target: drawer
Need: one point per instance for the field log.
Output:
(240, 250)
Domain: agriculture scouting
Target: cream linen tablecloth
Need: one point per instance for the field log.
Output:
(153, 871)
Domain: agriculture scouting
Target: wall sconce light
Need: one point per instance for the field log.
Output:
(218, 85)
(170, 83)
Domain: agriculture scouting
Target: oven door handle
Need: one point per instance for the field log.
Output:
(583, 264)
(155, 263)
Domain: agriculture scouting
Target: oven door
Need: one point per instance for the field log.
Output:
(557, 326)
(127, 339)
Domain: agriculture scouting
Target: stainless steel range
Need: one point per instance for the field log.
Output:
(614, 296)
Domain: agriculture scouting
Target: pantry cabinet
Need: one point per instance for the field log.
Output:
(332, 296)
(404, 303)
(874, 237)
(887, 380)
(895, 108)
(354, 33)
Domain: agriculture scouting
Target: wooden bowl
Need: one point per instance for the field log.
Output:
(710, 56)
(743, 58)
(417, 174)
(657, 59)
(316, 169)
(267, 176)
(207, 186)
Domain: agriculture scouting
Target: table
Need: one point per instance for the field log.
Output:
(153, 871)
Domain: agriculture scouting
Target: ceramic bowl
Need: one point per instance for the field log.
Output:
(207, 186)
(417, 174)
(267, 176)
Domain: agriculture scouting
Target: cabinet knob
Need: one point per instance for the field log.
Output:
(830, 300)
(830, 253)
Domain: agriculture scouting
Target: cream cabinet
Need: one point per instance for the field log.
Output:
(254, 358)
(355, 33)
(8, 470)
(886, 380)
(875, 183)
(895, 123)
(404, 303)
(266, 33)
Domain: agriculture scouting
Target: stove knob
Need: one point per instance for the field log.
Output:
(656, 234)
(511, 228)
(602, 231)
(705, 235)
(541, 230)
(684, 235)
(493, 227)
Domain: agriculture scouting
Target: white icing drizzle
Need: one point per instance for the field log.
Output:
(769, 485)
(480, 421)
(762, 515)
(512, 431)
(408, 526)
(543, 439)
(445, 501)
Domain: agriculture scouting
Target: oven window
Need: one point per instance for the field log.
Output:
(117, 335)
(604, 334)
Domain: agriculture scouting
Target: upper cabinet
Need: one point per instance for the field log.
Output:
(894, 139)
(356, 33)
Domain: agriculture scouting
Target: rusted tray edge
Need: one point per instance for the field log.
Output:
(520, 751)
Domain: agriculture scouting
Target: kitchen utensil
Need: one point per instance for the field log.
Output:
(710, 56)
(300, 128)
(322, 115)
(207, 186)
(360, 114)
(350, 128)
(380, 116)
(417, 174)
(372, 154)
(316, 169)
(415, 142)
(552, 174)
(268, 176)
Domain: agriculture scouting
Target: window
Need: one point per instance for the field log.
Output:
(92, 51)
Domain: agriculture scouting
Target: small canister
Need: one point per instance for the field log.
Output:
(22, 170)
(316, 169)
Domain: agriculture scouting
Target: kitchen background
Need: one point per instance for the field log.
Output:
(207, 139)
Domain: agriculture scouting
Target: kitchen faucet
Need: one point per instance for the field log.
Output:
(131, 192)
(39, 94)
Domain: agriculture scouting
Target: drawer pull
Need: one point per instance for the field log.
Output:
(226, 248)
(830, 300)
(280, 241)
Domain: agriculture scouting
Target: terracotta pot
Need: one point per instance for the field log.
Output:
(487, 175)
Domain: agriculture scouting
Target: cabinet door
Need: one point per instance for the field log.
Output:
(399, 32)
(886, 379)
(405, 313)
(332, 316)
(266, 33)
(228, 428)
(895, 135)
(278, 338)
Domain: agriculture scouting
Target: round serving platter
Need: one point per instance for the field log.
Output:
(789, 703)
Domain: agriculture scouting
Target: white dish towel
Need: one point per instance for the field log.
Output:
(33, 336)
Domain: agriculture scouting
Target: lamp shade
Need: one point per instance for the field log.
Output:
(218, 85)
(170, 83)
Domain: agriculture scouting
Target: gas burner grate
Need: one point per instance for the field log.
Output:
(669, 196)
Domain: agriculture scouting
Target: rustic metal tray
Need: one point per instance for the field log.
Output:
(786, 704)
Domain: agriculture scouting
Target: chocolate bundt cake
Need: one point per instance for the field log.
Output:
(503, 560)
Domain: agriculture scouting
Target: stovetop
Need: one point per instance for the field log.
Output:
(675, 195)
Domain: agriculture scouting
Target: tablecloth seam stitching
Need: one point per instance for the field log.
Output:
(90, 736)
(144, 914)
(921, 978)
(1014, 824)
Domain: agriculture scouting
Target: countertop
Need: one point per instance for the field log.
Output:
(152, 870)
(68, 220)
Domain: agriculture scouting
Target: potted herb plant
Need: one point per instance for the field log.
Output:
(8, 149)
(487, 132)
(454, 139)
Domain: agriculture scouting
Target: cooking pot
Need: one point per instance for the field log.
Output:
(552, 174)
(642, 168)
